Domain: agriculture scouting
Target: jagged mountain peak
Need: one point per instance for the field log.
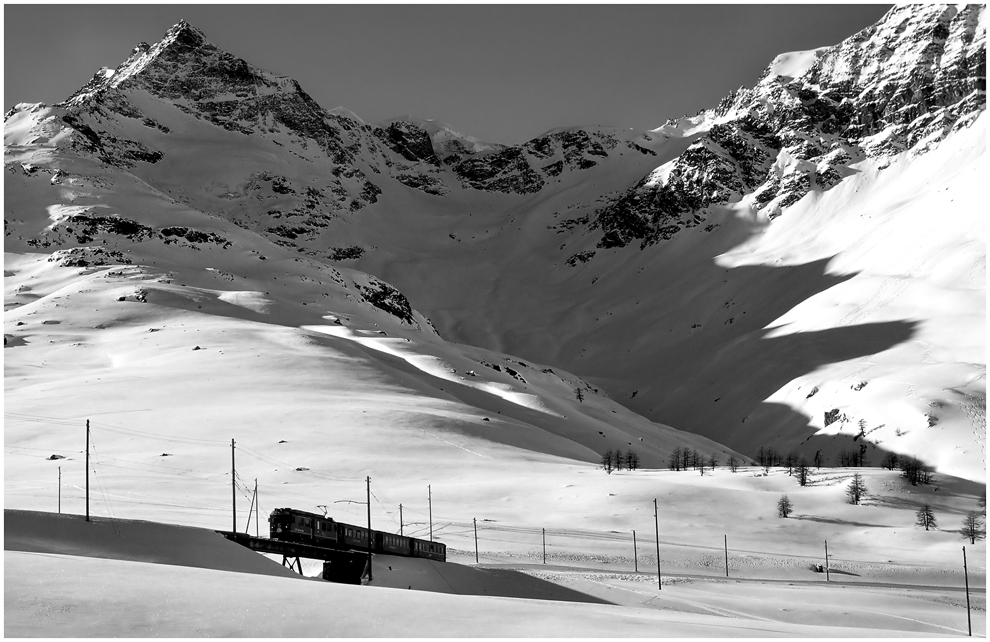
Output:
(184, 65)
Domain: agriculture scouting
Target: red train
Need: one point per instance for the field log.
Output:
(291, 525)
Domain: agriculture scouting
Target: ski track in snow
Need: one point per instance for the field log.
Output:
(450, 443)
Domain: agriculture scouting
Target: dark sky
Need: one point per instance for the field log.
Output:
(502, 73)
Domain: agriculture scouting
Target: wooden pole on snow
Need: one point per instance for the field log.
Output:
(656, 520)
(369, 528)
(826, 560)
(87, 470)
(725, 541)
(635, 558)
(969, 620)
(233, 488)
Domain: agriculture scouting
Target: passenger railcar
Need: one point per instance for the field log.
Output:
(291, 525)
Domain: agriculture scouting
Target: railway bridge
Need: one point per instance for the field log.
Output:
(342, 566)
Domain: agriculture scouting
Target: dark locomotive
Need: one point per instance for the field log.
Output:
(291, 525)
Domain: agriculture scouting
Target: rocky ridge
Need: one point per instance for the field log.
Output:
(207, 83)
(904, 83)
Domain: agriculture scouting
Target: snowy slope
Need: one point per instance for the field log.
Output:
(106, 271)
(655, 275)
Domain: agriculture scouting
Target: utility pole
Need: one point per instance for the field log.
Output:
(430, 492)
(475, 520)
(257, 507)
(635, 558)
(969, 620)
(725, 541)
(87, 470)
(368, 479)
(656, 519)
(401, 530)
(233, 488)
(247, 524)
(59, 490)
(252, 507)
(826, 560)
(544, 546)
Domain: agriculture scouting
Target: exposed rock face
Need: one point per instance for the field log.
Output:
(385, 297)
(903, 83)
(527, 168)
(506, 171)
(411, 142)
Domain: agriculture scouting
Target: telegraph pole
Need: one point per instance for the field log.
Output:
(87, 470)
(430, 492)
(656, 519)
(969, 620)
(257, 507)
(247, 524)
(59, 490)
(826, 560)
(544, 546)
(233, 487)
(635, 558)
(475, 520)
(369, 528)
(400, 521)
(725, 541)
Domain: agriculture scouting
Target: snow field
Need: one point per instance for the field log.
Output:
(112, 597)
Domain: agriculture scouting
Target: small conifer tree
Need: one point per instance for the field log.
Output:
(856, 490)
(784, 506)
(973, 527)
(926, 517)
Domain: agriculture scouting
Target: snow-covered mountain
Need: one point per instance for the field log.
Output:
(802, 266)
(183, 183)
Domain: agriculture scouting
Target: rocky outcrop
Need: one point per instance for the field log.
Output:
(506, 171)
(528, 168)
(385, 297)
(411, 142)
